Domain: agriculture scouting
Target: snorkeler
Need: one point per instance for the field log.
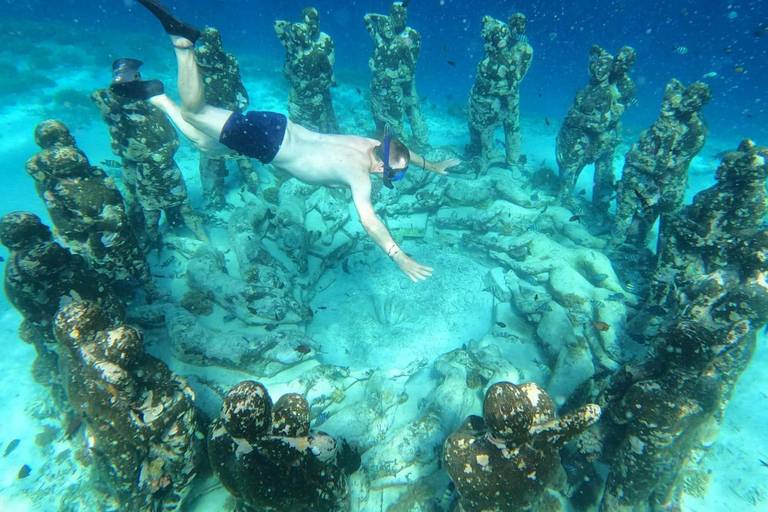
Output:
(337, 161)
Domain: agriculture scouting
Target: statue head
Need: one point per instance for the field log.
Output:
(399, 14)
(624, 59)
(695, 97)
(517, 23)
(600, 64)
(312, 21)
(495, 33)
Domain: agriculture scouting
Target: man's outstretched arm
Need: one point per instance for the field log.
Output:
(361, 195)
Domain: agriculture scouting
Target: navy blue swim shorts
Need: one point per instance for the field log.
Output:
(256, 134)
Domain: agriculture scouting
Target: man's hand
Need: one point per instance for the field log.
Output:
(440, 167)
(412, 268)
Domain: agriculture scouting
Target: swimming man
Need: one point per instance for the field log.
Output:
(313, 158)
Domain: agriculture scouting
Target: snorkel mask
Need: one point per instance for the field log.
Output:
(389, 174)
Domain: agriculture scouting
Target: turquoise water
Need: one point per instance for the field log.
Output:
(388, 339)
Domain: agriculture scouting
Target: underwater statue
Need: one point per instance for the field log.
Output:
(87, 209)
(592, 128)
(308, 67)
(495, 96)
(657, 409)
(224, 88)
(655, 172)
(144, 439)
(508, 458)
(393, 63)
(145, 141)
(267, 456)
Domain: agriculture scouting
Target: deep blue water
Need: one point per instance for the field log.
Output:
(730, 39)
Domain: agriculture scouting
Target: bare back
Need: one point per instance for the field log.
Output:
(324, 159)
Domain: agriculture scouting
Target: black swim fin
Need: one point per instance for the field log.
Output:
(127, 82)
(137, 90)
(172, 25)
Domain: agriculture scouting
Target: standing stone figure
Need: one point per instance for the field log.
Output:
(145, 140)
(656, 168)
(86, 208)
(308, 67)
(393, 63)
(591, 130)
(495, 96)
(224, 88)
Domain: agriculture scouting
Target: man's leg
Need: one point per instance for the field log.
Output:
(194, 110)
(203, 142)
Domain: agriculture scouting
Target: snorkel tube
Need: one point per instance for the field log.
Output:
(385, 177)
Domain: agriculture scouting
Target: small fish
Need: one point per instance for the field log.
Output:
(739, 69)
(522, 38)
(228, 318)
(534, 197)
(728, 50)
(632, 102)
(599, 277)
(321, 418)
(632, 257)
(523, 159)
(582, 192)
(2, 259)
(546, 120)
(11, 446)
(303, 349)
(543, 307)
(448, 496)
(530, 280)
(615, 297)
(733, 15)
(634, 275)
(501, 324)
(630, 286)
(359, 92)
(345, 266)
(446, 48)
(544, 209)
(451, 63)
(597, 303)
(681, 50)
(536, 297)
(112, 164)
(711, 74)
(24, 471)
(168, 262)
(642, 199)
(601, 326)
(500, 143)
(575, 218)
(322, 307)
(763, 463)
(270, 327)
(541, 366)
(74, 426)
